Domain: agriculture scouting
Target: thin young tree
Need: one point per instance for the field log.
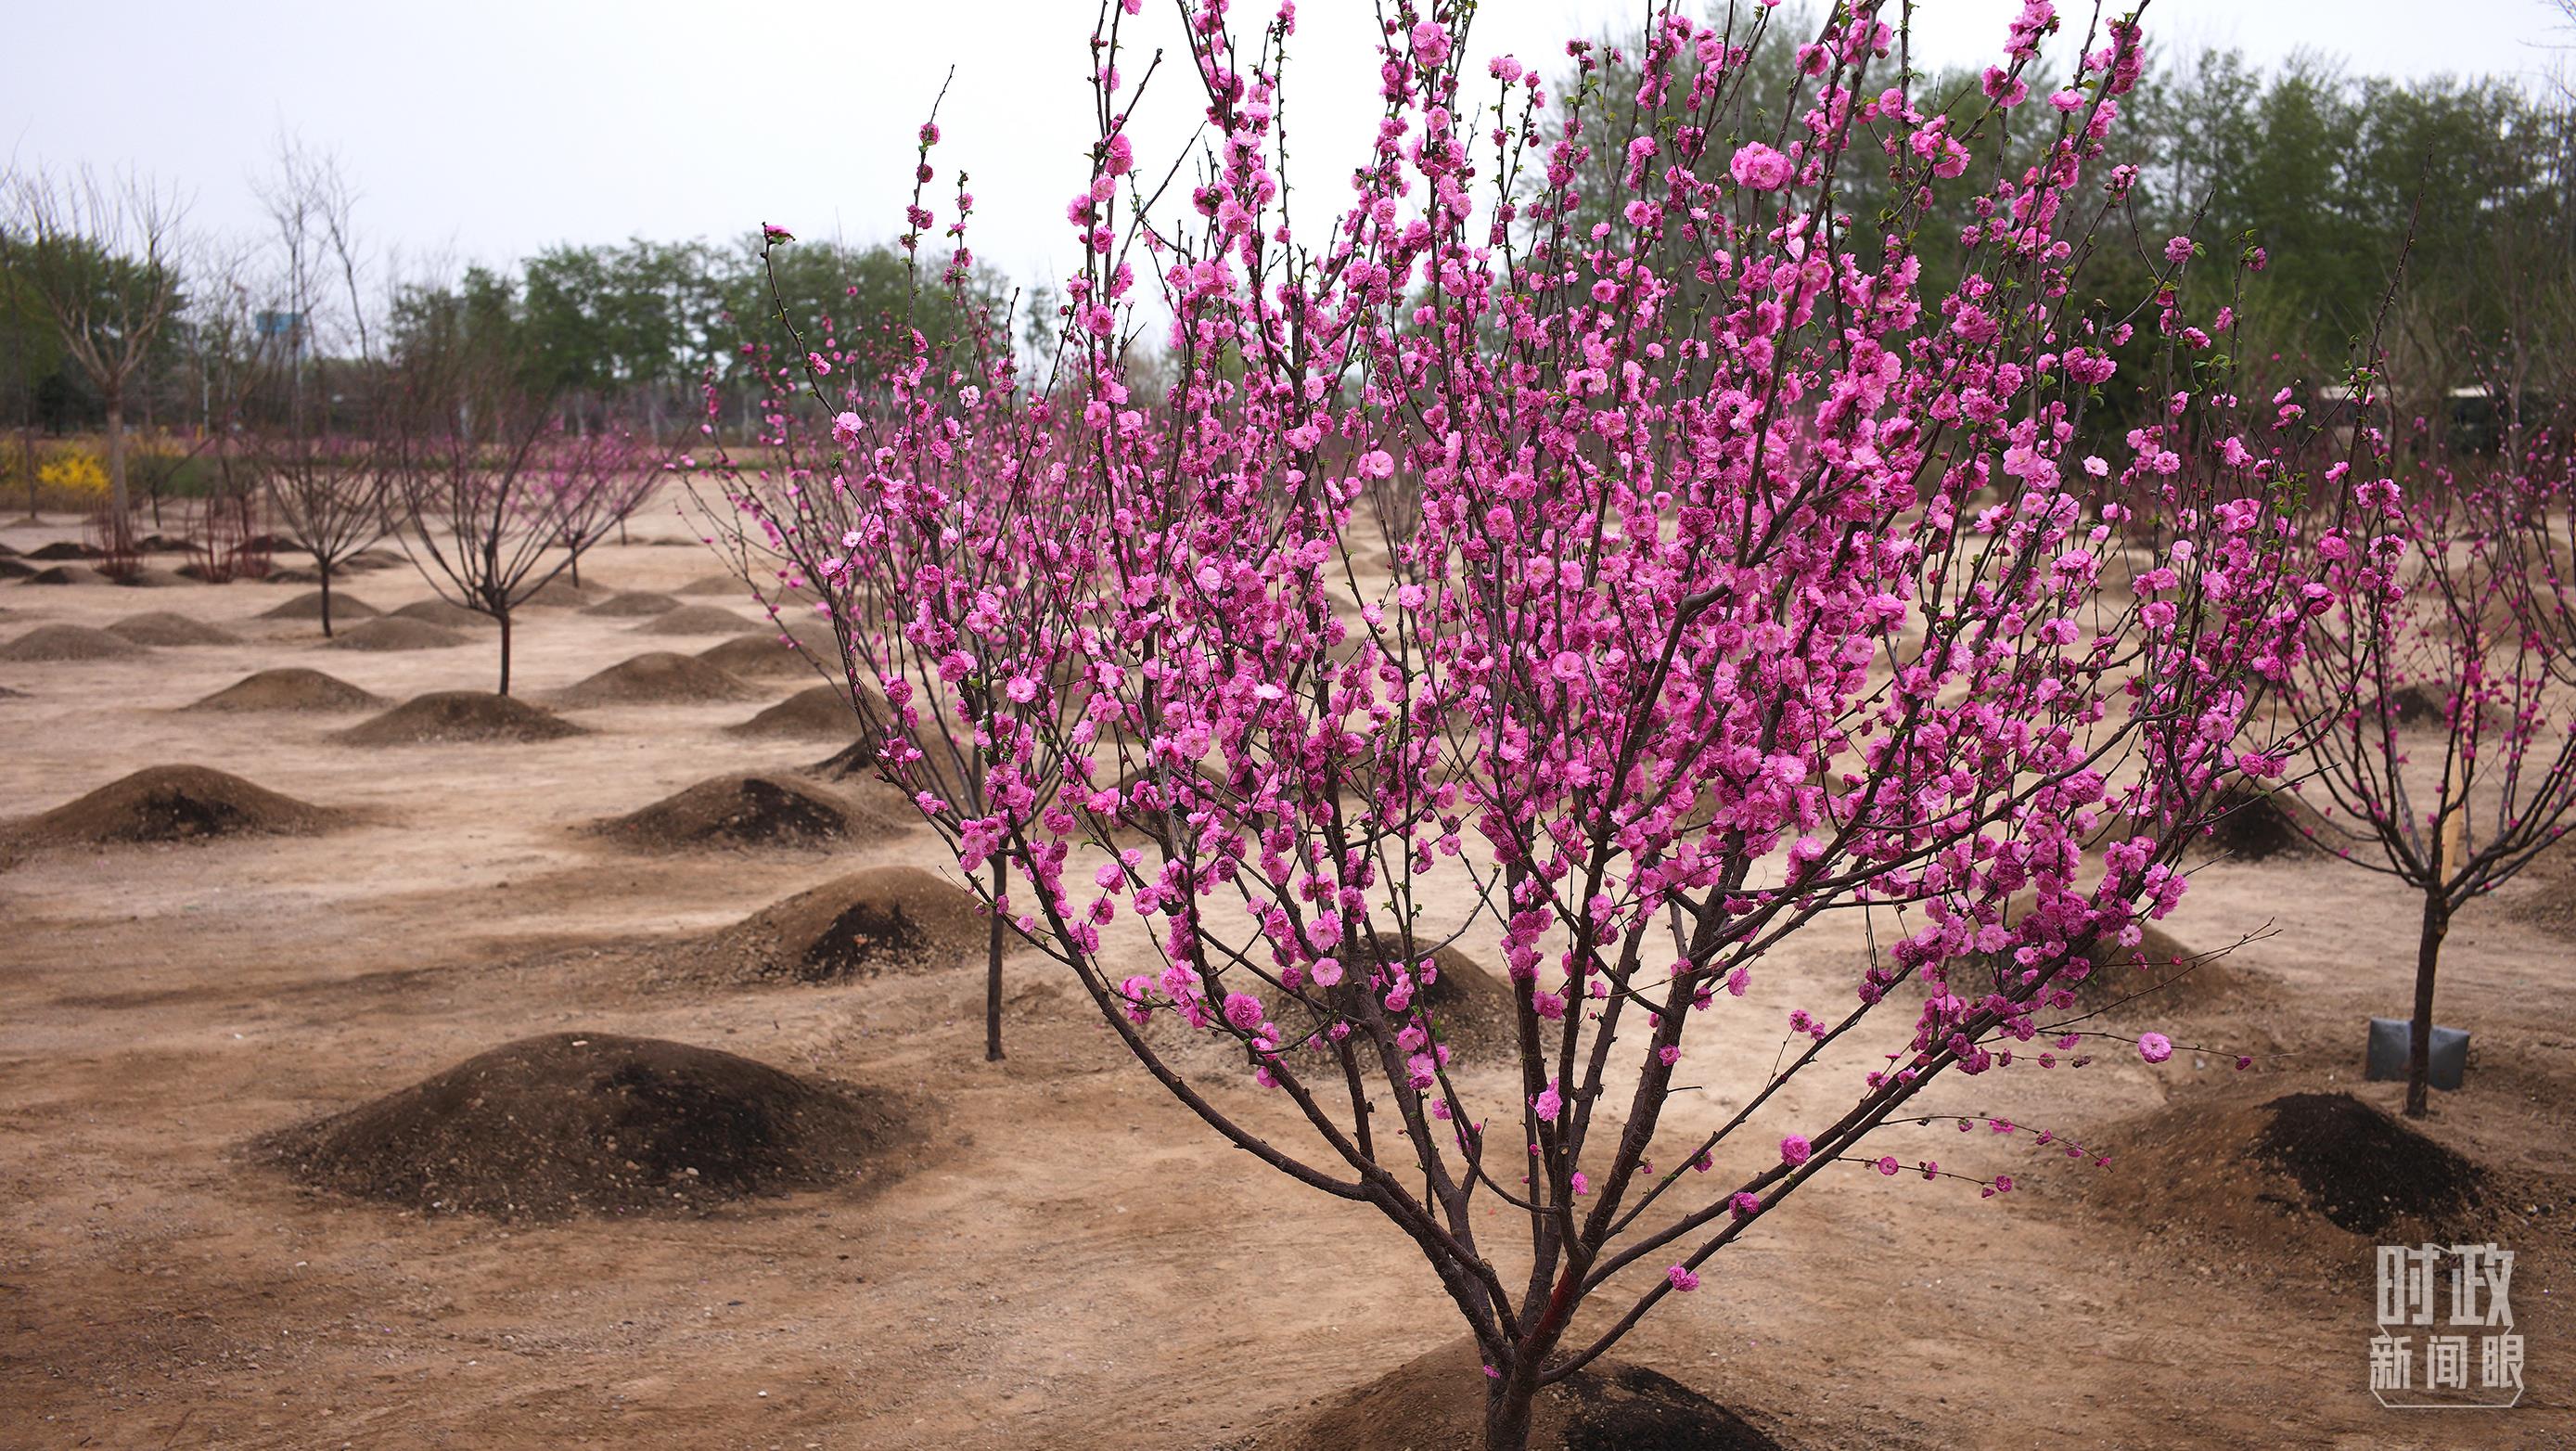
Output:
(2451, 764)
(103, 255)
(489, 485)
(1784, 599)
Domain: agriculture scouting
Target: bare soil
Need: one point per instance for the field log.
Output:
(1059, 1256)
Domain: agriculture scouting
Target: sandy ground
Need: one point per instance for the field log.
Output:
(1067, 1259)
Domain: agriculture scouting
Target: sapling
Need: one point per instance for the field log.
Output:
(1721, 614)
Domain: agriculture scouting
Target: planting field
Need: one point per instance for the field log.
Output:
(392, 1065)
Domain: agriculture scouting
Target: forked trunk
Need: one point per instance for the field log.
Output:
(2419, 1048)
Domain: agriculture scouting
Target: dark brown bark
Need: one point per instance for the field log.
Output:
(993, 967)
(504, 617)
(2419, 1050)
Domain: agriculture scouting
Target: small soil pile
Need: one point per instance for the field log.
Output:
(391, 633)
(2258, 825)
(739, 811)
(173, 803)
(2312, 1159)
(164, 627)
(2159, 976)
(293, 689)
(155, 579)
(308, 606)
(1436, 1402)
(444, 615)
(768, 656)
(55, 643)
(634, 605)
(660, 677)
(714, 584)
(15, 568)
(450, 716)
(884, 919)
(63, 549)
(67, 574)
(820, 712)
(558, 594)
(693, 620)
(589, 1123)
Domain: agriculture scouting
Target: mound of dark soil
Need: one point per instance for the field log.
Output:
(1436, 1402)
(308, 606)
(2258, 825)
(291, 689)
(391, 633)
(63, 549)
(659, 677)
(633, 605)
(2317, 1159)
(768, 656)
(165, 627)
(153, 579)
(884, 919)
(818, 712)
(444, 615)
(15, 568)
(292, 575)
(693, 620)
(460, 716)
(558, 593)
(67, 574)
(588, 1123)
(173, 803)
(68, 642)
(2361, 1168)
(714, 584)
(738, 811)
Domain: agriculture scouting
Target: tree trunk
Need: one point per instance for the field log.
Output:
(504, 618)
(576, 569)
(2419, 1050)
(326, 598)
(1507, 1413)
(27, 458)
(121, 529)
(993, 967)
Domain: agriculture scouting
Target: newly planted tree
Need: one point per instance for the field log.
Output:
(2446, 671)
(1748, 585)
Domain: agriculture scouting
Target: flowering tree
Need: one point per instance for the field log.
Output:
(2455, 628)
(330, 491)
(1744, 582)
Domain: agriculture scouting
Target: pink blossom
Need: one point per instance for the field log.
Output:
(2154, 1047)
(1760, 167)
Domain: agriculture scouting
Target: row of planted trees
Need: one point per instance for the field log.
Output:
(1622, 586)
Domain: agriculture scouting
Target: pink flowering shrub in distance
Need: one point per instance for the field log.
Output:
(1613, 587)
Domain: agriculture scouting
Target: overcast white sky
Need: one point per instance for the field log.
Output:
(487, 129)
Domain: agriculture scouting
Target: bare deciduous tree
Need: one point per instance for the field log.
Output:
(103, 255)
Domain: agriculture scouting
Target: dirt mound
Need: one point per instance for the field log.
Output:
(884, 919)
(164, 627)
(768, 656)
(67, 574)
(390, 633)
(1436, 1402)
(15, 568)
(2160, 975)
(308, 606)
(173, 803)
(63, 549)
(714, 584)
(739, 811)
(291, 689)
(818, 712)
(558, 593)
(2256, 825)
(633, 605)
(659, 677)
(460, 716)
(444, 615)
(588, 1123)
(2307, 1158)
(154, 579)
(693, 620)
(68, 642)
